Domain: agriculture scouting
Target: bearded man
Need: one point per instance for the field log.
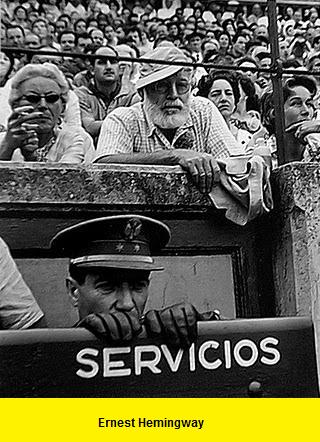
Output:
(170, 126)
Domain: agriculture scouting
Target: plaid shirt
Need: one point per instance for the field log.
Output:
(129, 130)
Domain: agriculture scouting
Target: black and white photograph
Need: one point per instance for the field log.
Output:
(159, 199)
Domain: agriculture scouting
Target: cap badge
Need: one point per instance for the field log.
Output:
(119, 247)
(132, 229)
(136, 248)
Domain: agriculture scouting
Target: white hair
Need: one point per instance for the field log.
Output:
(45, 70)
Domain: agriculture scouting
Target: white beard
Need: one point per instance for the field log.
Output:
(165, 120)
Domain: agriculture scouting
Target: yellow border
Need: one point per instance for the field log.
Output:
(224, 419)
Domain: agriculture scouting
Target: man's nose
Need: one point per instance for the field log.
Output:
(125, 300)
(172, 92)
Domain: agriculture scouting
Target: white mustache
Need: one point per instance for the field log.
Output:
(174, 103)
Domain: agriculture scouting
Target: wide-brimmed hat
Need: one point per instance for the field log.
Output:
(118, 242)
(152, 72)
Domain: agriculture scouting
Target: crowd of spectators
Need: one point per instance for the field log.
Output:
(55, 106)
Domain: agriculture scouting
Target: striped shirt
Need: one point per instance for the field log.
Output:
(128, 130)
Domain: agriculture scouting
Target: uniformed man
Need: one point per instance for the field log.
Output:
(110, 265)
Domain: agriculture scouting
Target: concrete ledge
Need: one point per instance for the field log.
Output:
(35, 183)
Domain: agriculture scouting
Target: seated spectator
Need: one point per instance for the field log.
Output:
(97, 37)
(146, 44)
(105, 92)
(114, 9)
(211, 47)
(224, 40)
(80, 26)
(61, 25)
(35, 131)
(32, 41)
(239, 46)
(50, 7)
(67, 40)
(263, 59)
(161, 32)
(315, 45)
(110, 35)
(135, 36)
(40, 28)
(302, 131)
(194, 43)
(283, 49)
(170, 126)
(84, 41)
(223, 90)
(15, 36)
(18, 308)
(173, 29)
(299, 50)
(20, 17)
(6, 67)
(70, 66)
(120, 34)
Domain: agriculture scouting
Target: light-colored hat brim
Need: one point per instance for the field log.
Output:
(124, 265)
(158, 75)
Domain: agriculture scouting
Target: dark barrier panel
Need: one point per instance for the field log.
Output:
(236, 358)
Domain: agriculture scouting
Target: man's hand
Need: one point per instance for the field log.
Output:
(203, 168)
(113, 327)
(176, 324)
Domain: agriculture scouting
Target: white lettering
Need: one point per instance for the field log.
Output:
(192, 358)
(151, 363)
(204, 347)
(173, 364)
(114, 368)
(239, 346)
(273, 351)
(227, 354)
(94, 365)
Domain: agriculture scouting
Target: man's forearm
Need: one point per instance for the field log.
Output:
(161, 157)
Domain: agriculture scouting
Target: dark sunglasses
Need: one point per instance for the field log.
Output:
(35, 98)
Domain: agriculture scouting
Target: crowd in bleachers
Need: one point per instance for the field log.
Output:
(79, 93)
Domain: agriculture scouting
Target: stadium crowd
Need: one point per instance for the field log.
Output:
(91, 100)
(43, 96)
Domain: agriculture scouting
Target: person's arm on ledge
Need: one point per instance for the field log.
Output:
(203, 168)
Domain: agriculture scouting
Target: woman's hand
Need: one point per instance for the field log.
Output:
(21, 132)
(20, 125)
(303, 128)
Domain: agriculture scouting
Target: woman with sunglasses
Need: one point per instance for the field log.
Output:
(36, 131)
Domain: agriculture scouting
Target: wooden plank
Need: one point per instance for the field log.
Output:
(240, 358)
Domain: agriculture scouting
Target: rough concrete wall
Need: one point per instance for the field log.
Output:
(297, 241)
(97, 184)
